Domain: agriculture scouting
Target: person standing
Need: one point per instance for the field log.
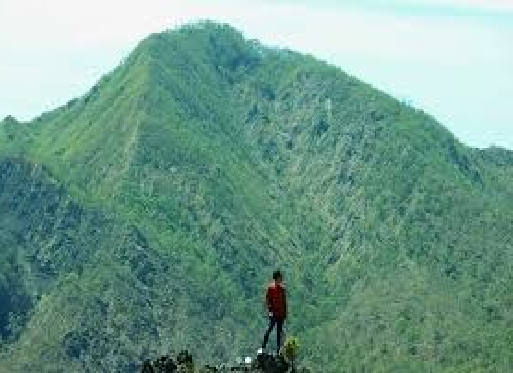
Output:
(276, 301)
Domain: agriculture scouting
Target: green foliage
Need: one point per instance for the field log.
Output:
(172, 189)
(291, 349)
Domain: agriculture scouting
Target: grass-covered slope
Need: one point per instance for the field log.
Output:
(169, 192)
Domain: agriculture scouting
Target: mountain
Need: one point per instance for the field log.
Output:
(147, 216)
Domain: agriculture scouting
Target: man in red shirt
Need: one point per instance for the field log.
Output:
(277, 305)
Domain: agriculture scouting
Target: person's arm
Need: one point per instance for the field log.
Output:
(267, 300)
(285, 301)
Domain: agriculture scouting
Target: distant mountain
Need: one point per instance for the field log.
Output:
(147, 216)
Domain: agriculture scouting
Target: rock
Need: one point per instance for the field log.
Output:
(263, 363)
(164, 365)
(269, 364)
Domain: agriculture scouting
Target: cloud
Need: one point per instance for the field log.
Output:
(85, 23)
(480, 5)
(464, 6)
(101, 23)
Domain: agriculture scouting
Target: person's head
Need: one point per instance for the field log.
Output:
(277, 276)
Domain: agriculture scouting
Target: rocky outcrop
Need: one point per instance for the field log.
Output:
(184, 362)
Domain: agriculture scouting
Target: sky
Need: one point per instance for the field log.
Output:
(451, 58)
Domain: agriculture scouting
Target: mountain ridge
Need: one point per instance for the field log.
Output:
(211, 160)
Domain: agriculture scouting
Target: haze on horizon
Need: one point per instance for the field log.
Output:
(452, 58)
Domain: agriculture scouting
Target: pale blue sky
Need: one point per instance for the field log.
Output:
(453, 58)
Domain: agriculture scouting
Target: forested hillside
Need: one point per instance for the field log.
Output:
(147, 216)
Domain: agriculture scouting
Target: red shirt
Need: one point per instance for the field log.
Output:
(276, 300)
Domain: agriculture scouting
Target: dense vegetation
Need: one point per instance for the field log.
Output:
(147, 215)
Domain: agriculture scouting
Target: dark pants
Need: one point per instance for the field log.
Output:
(279, 331)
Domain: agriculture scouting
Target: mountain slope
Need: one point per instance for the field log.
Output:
(203, 162)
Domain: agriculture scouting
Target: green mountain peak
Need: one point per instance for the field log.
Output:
(148, 214)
